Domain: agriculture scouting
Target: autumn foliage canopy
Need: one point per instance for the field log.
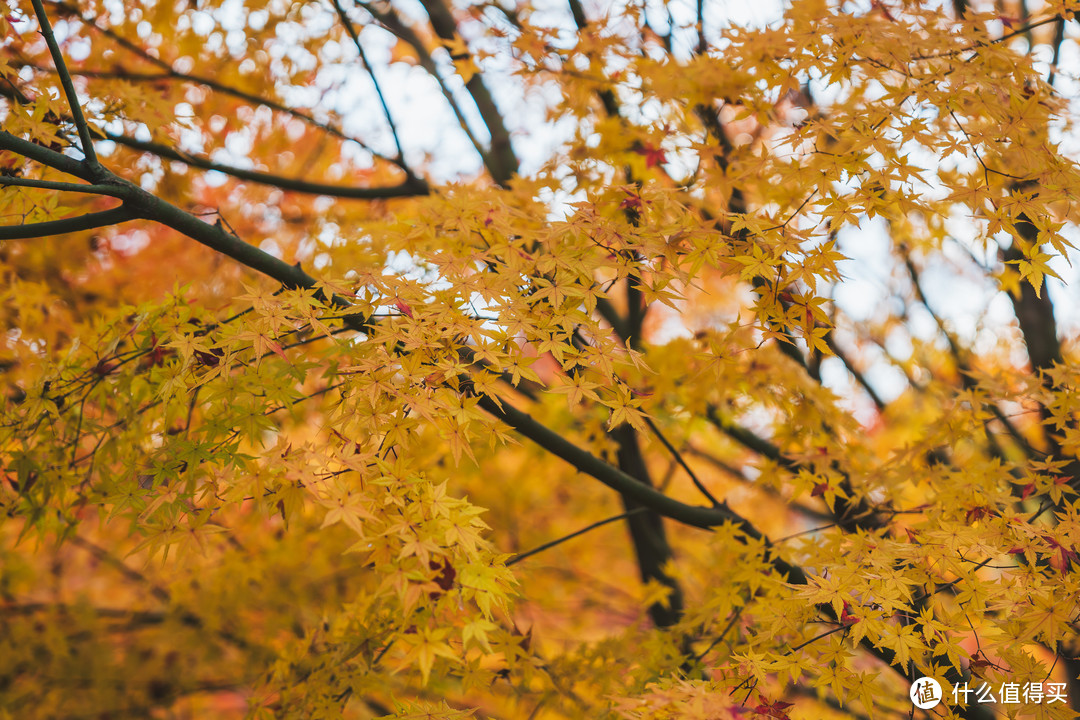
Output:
(538, 360)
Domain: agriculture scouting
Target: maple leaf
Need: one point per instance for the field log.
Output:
(445, 577)
(846, 617)
(245, 333)
(774, 709)
(653, 155)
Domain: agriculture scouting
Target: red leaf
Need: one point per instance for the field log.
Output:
(103, 368)
(277, 350)
(653, 155)
(979, 512)
(978, 662)
(210, 359)
(445, 578)
(776, 709)
(403, 307)
(1065, 559)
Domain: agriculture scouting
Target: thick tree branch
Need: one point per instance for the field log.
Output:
(696, 516)
(217, 238)
(45, 156)
(1034, 312)
(647, 531)
(504, 162)
(614, 478)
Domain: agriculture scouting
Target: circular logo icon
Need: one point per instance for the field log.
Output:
(925, 693)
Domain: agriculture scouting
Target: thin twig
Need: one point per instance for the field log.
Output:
(393, 24)
(720, 638)
(411, 187)
(987, 43)
(67, 84)
(351, 29)
(559, 541)
(682, 463)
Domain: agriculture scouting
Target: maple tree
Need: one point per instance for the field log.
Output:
(539, 396)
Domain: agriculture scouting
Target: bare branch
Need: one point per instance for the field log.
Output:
(855, 372)
(412, 186)
(89, 221)
(110, 190)
(67, 84)
(393, 24)
(681, 461)
(45, 156)
(168, 74)
(351, 30)
(559, 541)
(503, 161)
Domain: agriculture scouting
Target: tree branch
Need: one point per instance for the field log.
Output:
(855, 372)
(681, 461)
(412, 187)
(351, 30)
(170, 74)
(109, 190)
(559, 541)
(751, 441)
(504, 162)
(67, 84)
(393, 24)
(89, 221)
(766, 489)
(47, 157)
(586, 462)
